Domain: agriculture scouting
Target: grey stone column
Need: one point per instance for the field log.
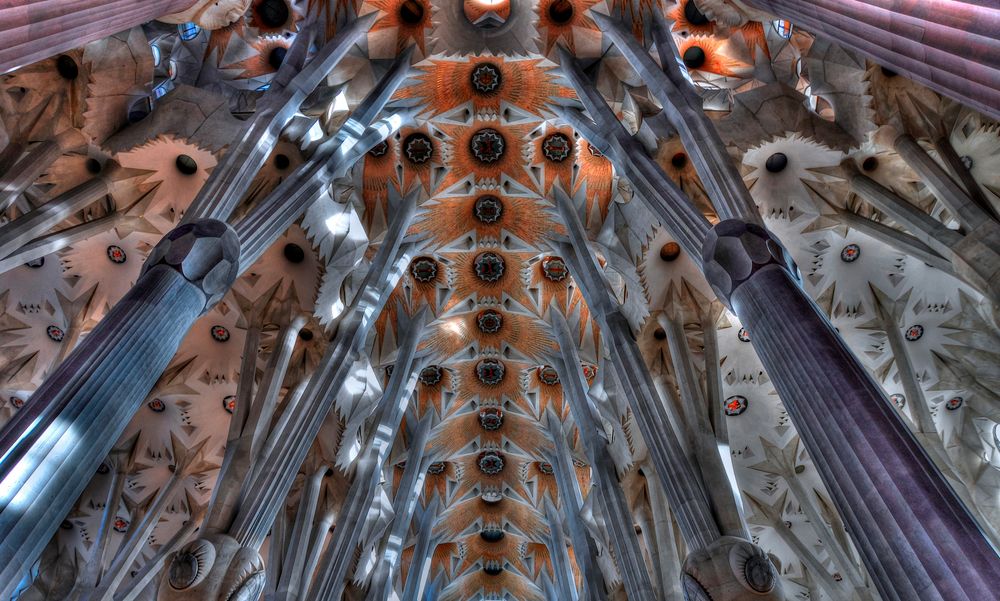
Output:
(403, 505)
(908, 524)
(71, 422)
(232, 177)
(423, 551)
(571, 501)
(621, 529)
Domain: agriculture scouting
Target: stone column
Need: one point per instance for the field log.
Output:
(907, 523)
(232, 177)
(33, 30)
(571, 501)
(423, 553)
(606, 487)
(329, 583)
(950, 46)
(403, 505)
(71, 422)
(556, 543)
(974, 256)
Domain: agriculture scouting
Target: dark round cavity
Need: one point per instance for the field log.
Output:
(294, 253)
(694, 57)
(273, 13)
(277, 56)
(561, 11)
(670, 251)
(869, 164)
(67, 67)
(93, 166)
(281, 161)
(693, 15)
(186, 164)
(305, 334)
(492, 535)
(776, 163)
(679, 160)
(889, 72)
(411, 12)
(660, 334)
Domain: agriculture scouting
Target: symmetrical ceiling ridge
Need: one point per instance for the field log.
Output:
(536, 300)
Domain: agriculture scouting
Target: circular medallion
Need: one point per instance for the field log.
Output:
(488, 209)
(548, 375)
(743, 335)
(489, 266)
(490, 463)
(424, 269)
(121, 524)
(914, 332)
(556, 147)
(486, 78)
(116, 254)
(491, 418)
(490, 371)
(487, 145)
(229, 403)
(736, 404)
(898, 400)
(851, 253)
(554, 269)
(954, 403)
(418, 148)
(379, 150)
(220, 333)
(16, 402)
(56, 334)
(546, 468)
(489, 321)
(437, 468)
(157, 406)
(430, 375)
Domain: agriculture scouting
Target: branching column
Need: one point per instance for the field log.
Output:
(906, 521)
(77, 414)
(951, 46)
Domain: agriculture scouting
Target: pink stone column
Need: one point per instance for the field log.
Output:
(33, 30)
(951, 46)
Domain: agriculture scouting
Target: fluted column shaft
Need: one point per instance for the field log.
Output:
(948, 45)
(906, 521)
(78, 413)
(33, 30)
(403, 505)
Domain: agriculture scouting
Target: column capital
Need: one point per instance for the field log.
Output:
(206, 252)
(734, 251)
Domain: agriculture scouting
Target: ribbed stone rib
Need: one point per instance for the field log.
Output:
(908, 525)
